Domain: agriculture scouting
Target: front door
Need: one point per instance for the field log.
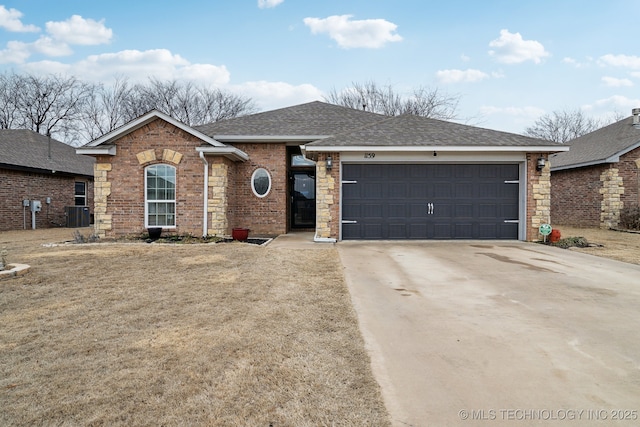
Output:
(303, 199)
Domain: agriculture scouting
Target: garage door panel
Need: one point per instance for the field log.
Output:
(439, 201)
(463, 210)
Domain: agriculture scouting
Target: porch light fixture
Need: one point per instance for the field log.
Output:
(329, 163)
(541, 163)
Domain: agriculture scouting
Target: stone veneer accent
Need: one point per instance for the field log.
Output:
(325, 186)
(171, 156)
(218, 199)
(146, 156)
(611, 205)
(539, 209)
(102, 189)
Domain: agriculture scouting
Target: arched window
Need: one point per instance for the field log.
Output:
(261, 182)
(160, 196)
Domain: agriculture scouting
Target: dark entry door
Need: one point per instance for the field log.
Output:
(303, 199)
(437, 201)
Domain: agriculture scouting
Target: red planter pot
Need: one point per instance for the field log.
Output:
(240, 234)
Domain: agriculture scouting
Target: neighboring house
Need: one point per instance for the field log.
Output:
(598, 177)
(34, 167)
(345, 173)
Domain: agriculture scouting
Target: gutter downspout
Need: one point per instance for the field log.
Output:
(205, 224)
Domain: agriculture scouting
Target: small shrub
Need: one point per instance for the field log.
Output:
(3, 258)
(572, 242)
(78, 237)
(630, 217)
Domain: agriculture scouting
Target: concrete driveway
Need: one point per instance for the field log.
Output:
(508, 333)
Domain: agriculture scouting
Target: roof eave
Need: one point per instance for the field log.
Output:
(109, 150)
(442, 148)
(231, 153)
(269, 138)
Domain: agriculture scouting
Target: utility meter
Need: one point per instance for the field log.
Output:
(36, 206)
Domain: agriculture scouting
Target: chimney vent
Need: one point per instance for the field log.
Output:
(636, 116)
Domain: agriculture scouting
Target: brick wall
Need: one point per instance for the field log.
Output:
(576, 198)
(262, 215)
(16, 186)
(578, 194)
(629, 170)
(154, 143)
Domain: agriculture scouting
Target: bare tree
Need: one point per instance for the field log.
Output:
(184, 101)
(10, 86)
(385, 100)
(53, 103)
(565, 125)
(104, 111)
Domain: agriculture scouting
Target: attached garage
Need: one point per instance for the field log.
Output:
(410, 177)
(430, 201)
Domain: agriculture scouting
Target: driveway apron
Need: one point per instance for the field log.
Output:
(498, 333)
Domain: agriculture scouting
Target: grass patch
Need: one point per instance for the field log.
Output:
(233, 334)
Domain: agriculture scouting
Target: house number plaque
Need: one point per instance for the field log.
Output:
(369, 155)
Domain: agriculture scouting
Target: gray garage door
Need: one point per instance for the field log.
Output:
(437, 201)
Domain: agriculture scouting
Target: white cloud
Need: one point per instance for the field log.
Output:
(613, 103)
(265, 4)
(525, 112)
(10, 21)
(615, 82)
(635, 74)
(510, 48)
(137, 66)
(465, 58)
(461, 76)
(16, 52)
(50, 47)
(271, 95)
(625, 61)
(80, 31)
(60, 35)
(368, 33)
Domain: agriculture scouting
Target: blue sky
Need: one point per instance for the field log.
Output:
(510, 61)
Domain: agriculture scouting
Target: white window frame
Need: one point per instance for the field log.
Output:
(253, 187)
(148, 201)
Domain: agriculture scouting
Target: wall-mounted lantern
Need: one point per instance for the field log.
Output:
(329, 163)
(541, 163)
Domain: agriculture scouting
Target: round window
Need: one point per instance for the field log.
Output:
(261, 182)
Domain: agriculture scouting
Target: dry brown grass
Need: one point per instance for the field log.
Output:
(136, 334)
(618, 245)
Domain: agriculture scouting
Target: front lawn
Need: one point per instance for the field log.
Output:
(149, 334)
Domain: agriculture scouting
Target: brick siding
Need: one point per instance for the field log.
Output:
(262, 215)
(577, 195)
(16, 186)
(125, 202)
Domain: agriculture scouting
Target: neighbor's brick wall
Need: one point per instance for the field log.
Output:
(629, 170)
(586, 197)
(266, 215)
(576, 198)
(154, 143)
(16, 186)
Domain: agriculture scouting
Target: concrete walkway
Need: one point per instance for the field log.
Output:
(299, 240)
(497, 334)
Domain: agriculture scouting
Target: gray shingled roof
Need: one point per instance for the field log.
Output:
(410, 130)
(27, 149)
(311, 119)
(601, 146)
